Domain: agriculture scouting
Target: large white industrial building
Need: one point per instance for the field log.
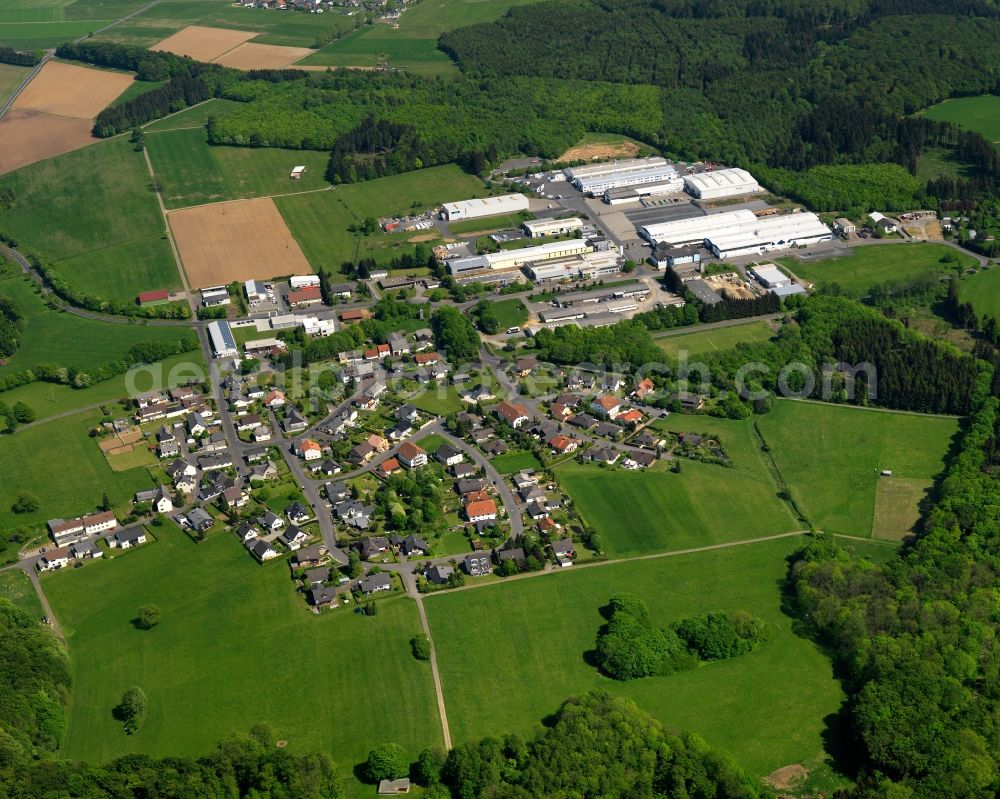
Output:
(511, 259)
(223, 341)
(721, 183)
(632, 194)
(767, 234)
(694, 230)
(598, 178)
(587, 266)
(486, 206)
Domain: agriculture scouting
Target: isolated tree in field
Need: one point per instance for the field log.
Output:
(387, 762)
(25, 503)
(421, 647)
(148, 617)
(105, 501)
(131, 709)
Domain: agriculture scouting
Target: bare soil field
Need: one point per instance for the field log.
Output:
(587, 152)
(897, 506)
(203, 44)
(71, 91)
(250, 55)
(30, 136)
(241, 240)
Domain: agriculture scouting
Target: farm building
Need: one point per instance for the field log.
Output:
(722, 183)
(598, 178)
(487, 206)
(297, 172)
(223, 342)
(153, 297)
(768, 234)
(540, 228)
(511, 259)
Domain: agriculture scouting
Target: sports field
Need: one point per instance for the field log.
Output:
(235, 646)
(56, 337)
(289, 28)
(983, 291)
(657, 510)
(240, 240)
(831, 457)
(320, 221)
(981, 114)
(54, 113)
(93, 215)
(193, 173)
(64, 468)
(509, 653)
(869, 265)
(413, 45)
(716, 340)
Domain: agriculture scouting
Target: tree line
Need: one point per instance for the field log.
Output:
(11, 326)
(19, 58)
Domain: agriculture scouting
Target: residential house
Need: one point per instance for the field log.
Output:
(463, 470)
(249, 422)
(563, 444)
(448, 455)
(196, 425)
(294, 422)
(126, 539)
(496, 447)
(414, 546)
(688, 401)
(564, 551)
(378, 443)
(275, 398)
(234, 497)
(517, 555)
(407, 413)
(525, 366)
(308, 449)
(606, 406)
(389, 467)
(411, 456)
(643, 389)
(168, 449)
(478, 394)
(438, 574)
(247, 532)
(271, 522)
(631, 418)
(481, 510)
(372, 546)
(427, 358)
(208, 463)
(322, 596)
(608, 430)
(262, 550)
(398, 345)
(337, 492)
(254, 454)
(536, 511)
(584, 421)
(468, 486)
(361, 453)
(298, 513)
(477, 564)
(602, 455)
(86, 550)
(261, 434)
(261, 472)
(308, 557)
(200, 519)
(293, 538)
(513, 414)
(638, 460)
(375, 583)
(648, 439)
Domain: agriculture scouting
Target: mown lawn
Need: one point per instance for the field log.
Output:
(235, 646)
(194, 173)
(867, 266)
(831, 457)
(511, 462)
(320, 221)
(657, 510)
(64, 469)
(708, 341)
(93, 214)
(510, 653)
(440, 401)
(57, 337)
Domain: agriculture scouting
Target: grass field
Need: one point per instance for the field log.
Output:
(93, 214)
(413, 46)
(522, 645)
(192, 173)
(981, 114)
(897, 507)
(64, 468)
(831, 456)
(510, 313)
(656, 510)
(708, 341)
(31, 24)
(320, 221)
(235, 646)
(281, 28)
(440, 401)
(52, 336)
(869, 265)
(194, 117)
(49, 399)
(511, 462)
(15, 586)
(10, 78)
(983, 291)
(486, 224)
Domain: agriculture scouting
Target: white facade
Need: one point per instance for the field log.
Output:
(487, 206)
(598, 178)
(770, 277)
(511, 259)
(631, 194)
(256, 291)
(768, 234)
(587, 266)
(314, 326)
(539, 228)
(685, 232)
(721, 183)
(303, 281)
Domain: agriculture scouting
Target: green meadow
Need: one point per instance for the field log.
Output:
(869, 265)
(709, 341)
(981, 114)
(831, 456)
(236, 645)
(93, 214)
(983, 291)
(511, 652)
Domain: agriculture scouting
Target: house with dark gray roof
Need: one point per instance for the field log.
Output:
(375, 583)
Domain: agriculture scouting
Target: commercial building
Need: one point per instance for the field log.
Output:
(694, 230)
(223, 342)
(215, 296)
(845, 226)
(586, 266)
(511, 259)
(773, 279)
(598, 178)
(769, 234)
(301, 281)
(258, 292)
(631, 194)
(487, 206)
(721, 183)
(631, 291)
(540, 228)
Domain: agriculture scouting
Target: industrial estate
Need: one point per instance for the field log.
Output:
(359, 440)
